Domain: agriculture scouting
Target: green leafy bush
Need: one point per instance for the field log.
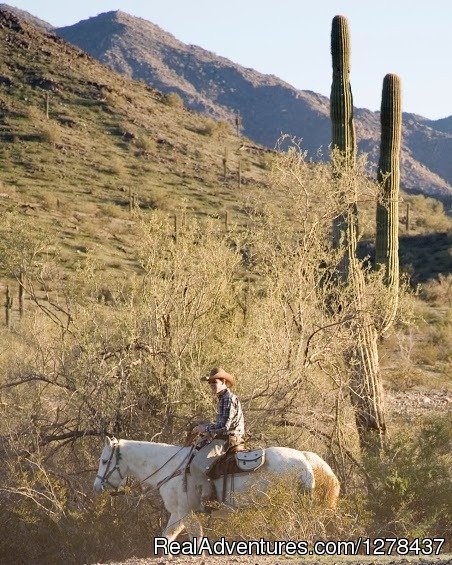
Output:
(412, 488)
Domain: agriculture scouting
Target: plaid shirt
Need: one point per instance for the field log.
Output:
(230, 419)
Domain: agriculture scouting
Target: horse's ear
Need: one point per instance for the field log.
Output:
(111, 441)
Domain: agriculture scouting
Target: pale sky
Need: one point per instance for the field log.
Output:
(291, 39)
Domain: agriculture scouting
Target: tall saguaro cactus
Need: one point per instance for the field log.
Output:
(387, 217)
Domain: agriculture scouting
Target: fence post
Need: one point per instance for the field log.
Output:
(225, 164)
(8, 306)
(407, 218)
(21, 293)
(47, 104)
(176, 228)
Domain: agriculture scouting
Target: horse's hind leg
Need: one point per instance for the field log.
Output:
(307, 479)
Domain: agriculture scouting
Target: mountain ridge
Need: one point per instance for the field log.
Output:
(268, 106)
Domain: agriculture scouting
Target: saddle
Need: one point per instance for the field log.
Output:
(234, 462)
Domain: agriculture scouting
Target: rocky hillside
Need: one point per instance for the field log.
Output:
(105, 142)
(267, 105)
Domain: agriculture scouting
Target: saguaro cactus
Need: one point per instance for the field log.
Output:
(343, 134)
(21, 293)
(387, 217)
(362, 355)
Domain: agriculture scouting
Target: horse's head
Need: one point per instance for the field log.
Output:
(112, 469)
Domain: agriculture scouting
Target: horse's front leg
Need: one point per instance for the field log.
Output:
(174, 503)
(193, 526)
(174, 527)
(170, 493)
(187, 504)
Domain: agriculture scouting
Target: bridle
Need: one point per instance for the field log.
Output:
(108, 472)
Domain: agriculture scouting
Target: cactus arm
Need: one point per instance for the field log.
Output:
(341, 100)
(388, 176)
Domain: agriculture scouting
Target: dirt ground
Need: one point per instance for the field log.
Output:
(418, 402)
(333, 560)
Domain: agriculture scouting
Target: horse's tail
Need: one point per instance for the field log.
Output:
(325, 479)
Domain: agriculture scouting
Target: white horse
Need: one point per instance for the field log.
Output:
(162, 467)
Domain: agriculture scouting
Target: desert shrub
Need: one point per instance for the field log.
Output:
(214, 128)
(173, 100)
(85, 529)
(434, 343)
(256, 301)
(266, 161)
(111, 210)
(48, 202)
(427, 214)
(158, 198)
(145, 144)
(50, 133)
(438, 291)
(21, 245)
(222, 128)
(115, 167)
(286, 513)
(245, 164)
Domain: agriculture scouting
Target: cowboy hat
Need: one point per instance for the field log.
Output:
(219, 373)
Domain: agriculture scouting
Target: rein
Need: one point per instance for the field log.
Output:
(179, 470)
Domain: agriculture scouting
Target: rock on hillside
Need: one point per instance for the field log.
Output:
(267, 105)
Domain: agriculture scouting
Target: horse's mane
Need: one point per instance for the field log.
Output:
(146, 442)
